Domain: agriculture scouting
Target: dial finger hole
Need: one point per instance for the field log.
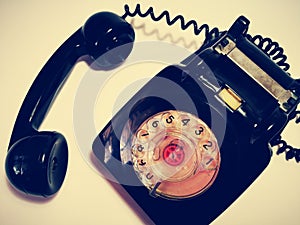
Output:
(154, 124)
(143, 135)
(138, 150)
(170, 119)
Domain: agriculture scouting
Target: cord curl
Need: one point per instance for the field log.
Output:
(272, 49)
(269, 47)
(179, 18)
(283, 147)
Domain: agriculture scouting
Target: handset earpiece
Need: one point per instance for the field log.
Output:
(37, 161)
(37, 164)
(111, 35)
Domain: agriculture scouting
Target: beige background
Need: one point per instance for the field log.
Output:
(32, 30)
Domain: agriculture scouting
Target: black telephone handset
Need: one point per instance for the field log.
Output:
(189, 142)
(198, 134)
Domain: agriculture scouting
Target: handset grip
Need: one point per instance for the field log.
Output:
(101, 33)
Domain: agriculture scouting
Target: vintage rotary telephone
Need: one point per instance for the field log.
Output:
(189, 142)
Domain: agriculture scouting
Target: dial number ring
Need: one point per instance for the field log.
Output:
(175, 154)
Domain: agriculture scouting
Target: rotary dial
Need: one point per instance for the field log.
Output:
(175, 154)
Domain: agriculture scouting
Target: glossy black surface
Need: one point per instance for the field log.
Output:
(37, 164)
(241, 161)
(244, 136)
(37, 161)
(102, 36)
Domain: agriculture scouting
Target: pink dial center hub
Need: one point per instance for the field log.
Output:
(173, 154)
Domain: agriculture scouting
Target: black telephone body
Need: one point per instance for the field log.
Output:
(241, 112)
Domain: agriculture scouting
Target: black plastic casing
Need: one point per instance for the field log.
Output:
(243, 137)
(241, 160)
